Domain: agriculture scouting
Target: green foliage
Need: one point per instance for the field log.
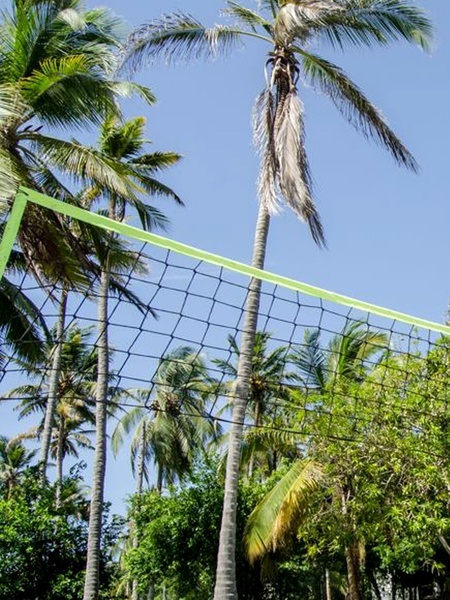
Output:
(42, 549)
(178, 538)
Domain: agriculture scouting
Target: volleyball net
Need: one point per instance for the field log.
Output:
(325, 366)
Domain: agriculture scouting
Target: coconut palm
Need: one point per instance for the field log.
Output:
(170, 424)
(267, 389)
(288, 27)
(122, 143)
(56, 68)
(346, 359)
(15, 459)
(74, 394)
(57, 71)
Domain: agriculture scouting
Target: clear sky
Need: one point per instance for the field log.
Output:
(387, 229)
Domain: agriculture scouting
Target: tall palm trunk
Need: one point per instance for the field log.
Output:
(91, 586)
(257, 422)
(352, 561)
(59, 461)
(225, 588)
(139, 488)
(53, 384)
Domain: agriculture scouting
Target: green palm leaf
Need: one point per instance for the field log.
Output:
(377, 21)
(354, 106)
(279, 513)
(247, 17)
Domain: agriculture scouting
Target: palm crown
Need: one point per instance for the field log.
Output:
(290, 27)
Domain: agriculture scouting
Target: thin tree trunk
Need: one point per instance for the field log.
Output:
(139, 487)
(53, 384)
(225, 588)
(159, 479)
(256, 421)
(353, 574)
(59, 462)
(91, 586)
(327, 585)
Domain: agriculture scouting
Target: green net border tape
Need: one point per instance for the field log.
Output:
(11, 230)
(75, 212)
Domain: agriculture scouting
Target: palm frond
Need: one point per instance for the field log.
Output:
(126, 89)
(21, 321)
(281, 510)
(85, 164)
(263, 114)
(178, 37)
(354, 106)
(294, 177)
(299, 20)
(64, 82)
(248, 18)
(309, 359)
(365, 22)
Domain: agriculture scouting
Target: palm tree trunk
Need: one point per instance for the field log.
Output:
(91, 586)
(159, 479)
(327, 585)
(225, 588)
(141, 461)
(256, 421)
(59, 462)
(139, 487)
(53, 384)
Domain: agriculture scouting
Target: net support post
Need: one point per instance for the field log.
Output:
(11, 229)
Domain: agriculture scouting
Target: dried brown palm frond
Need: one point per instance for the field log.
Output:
(279, 134)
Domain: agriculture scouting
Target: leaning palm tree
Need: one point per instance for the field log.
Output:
(123, 143)
(288, 27)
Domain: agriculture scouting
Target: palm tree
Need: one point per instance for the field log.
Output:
(288, 27)
(171, 426)
(346, 359)
(56, 63)
(57, 70)
(14, 460)
(322, 371)
(74, 395)
(267, 387)
(121, 143)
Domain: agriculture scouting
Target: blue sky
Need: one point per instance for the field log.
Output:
(387, 229)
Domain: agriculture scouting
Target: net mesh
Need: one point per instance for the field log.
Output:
(320, 369)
